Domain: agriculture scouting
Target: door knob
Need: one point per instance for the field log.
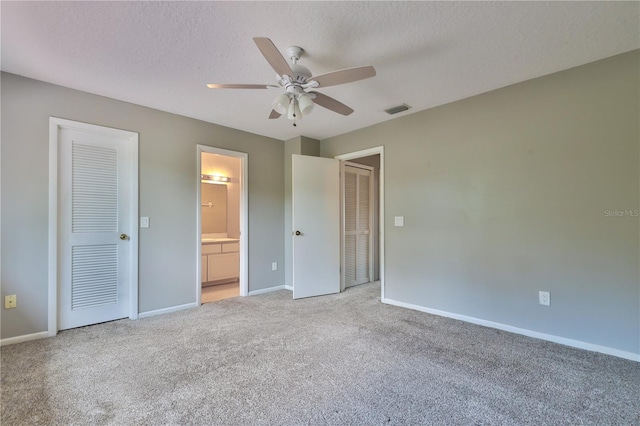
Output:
(124, 237)
(298, 233)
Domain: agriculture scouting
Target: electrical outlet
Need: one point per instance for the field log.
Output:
(544, 297)
(10, 301)
(274, 266)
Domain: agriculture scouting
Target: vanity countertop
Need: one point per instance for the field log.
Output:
(219, 240)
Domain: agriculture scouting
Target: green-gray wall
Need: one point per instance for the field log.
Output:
(506, 193)
(168, 182)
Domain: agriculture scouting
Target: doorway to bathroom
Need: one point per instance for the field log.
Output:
(222, 224)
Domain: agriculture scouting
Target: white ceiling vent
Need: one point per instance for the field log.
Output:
(397, 109)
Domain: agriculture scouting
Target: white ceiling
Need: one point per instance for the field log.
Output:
(161, 54)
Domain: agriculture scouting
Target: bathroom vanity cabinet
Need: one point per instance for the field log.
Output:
(220, 260)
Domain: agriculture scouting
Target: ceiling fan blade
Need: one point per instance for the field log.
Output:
(274, 114)
(273, 56)
(330, 103)
(344, 76)
(240, 86)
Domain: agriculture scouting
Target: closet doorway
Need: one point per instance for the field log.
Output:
(358, 202)
(328, 187)
(362, 231)
(222, 224)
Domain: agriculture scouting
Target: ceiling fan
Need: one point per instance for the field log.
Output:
(297, 81)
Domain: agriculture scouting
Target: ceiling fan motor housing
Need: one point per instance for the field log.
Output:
(293, 84)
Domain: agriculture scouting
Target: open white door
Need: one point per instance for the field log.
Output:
(316, 226)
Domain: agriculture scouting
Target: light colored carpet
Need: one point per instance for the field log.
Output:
(213, 293)
(334, 360)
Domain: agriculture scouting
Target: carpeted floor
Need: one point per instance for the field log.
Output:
(334, 360)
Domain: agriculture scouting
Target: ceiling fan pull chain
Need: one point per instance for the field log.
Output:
(294, 111)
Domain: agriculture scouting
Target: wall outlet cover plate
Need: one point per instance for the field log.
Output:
(544, 298)
(10, 301)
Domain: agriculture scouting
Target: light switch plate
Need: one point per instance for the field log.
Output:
(144, 222)
(399, 221)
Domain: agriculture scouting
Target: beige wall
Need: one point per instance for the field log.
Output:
(168, 179)
(214, 208)
(506, 193)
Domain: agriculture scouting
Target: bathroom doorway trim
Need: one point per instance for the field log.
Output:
(244, 218)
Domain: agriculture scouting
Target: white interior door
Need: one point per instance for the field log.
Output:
(358, 219)
(316, 226)
(95, 227)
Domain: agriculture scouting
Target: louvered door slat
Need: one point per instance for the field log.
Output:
(94, 189)
(94, 276)
(349, 259)
(363, 203)
(350, 193)
(362, 260)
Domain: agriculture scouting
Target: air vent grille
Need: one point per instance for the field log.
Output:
(397, 109)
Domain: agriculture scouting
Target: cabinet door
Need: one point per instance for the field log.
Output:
(203, 269)
(223, 266)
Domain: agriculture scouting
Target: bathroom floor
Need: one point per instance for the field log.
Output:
(219, 292)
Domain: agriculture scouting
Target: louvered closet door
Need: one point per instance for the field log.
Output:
(94, 207)
(357, 225)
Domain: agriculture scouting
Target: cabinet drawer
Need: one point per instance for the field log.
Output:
(230, 247)
(211, 249)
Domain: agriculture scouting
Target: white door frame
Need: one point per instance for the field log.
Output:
(55, 125)
(244, 218)
(365, 153)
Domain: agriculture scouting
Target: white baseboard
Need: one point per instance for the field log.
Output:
(523, 331)
(288, 287)
(167, 310)
(266, 290)
(24, 338)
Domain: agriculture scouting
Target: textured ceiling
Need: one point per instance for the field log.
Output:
(161, 54)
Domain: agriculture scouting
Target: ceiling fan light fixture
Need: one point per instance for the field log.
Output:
(294, 112)
(281, 103)
(305, 103)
